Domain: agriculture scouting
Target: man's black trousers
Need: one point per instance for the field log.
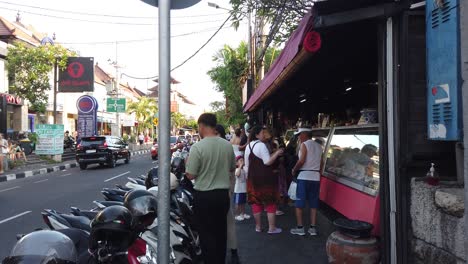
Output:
(210, 209)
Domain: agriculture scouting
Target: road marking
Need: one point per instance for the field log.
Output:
(14, 217)
(115, 177)
(142, 175)
(68, 174)
(154, 161)
(12, 188)
(41, 181)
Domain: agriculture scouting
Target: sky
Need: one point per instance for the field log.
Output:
(133, 24)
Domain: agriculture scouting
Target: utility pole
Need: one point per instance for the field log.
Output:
(262, 36)
(117, 87)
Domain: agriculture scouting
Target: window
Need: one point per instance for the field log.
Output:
(353, 159)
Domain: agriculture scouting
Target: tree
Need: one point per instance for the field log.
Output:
(192, 124)
(218, 108)
(145, 109)
(229, 75)
(283, 16)
(178, 120)
(29, 69)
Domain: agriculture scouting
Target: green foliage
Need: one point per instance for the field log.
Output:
(229, 75)
(219, 110)
(192, 124)
(145, 109)
(178, 120)
(33, 137)
(29, 69)
(283, 16)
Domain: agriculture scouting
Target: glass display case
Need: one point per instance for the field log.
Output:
(352, 157)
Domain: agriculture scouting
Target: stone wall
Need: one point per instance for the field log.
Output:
(437, 223)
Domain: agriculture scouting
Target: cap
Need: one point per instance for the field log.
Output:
(302, 129)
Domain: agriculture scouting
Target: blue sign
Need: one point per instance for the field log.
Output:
(87, 116)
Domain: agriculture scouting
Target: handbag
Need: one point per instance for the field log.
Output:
(292, 191)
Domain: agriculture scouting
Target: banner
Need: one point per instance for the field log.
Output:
(87, 116)
(49, 139)
(78, 76)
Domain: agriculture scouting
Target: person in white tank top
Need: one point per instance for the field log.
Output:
(308, 180)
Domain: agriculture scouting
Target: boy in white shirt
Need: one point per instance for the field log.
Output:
(240, 190)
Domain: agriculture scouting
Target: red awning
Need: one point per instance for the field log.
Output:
(293, 47)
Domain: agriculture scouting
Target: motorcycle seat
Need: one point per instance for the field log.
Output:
(79, 222)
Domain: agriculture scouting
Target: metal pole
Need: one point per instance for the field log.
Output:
(391, 142)
(251, 77)
(117, 88)
(164, 130)
(55, 91)
(464, 74)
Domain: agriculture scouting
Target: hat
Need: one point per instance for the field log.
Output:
(302, 129)
(239, 157)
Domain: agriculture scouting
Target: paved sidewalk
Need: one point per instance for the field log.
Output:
(283, 248)
(43, 168)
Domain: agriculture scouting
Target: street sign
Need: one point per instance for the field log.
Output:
(116, 105)
(78, 77)
(49, 140)
(87, 116)
(155, 121)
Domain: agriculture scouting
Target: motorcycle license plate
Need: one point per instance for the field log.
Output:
(91, 151)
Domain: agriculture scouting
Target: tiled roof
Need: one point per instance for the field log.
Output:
(11, 31)
(173, 81)
(100, 76)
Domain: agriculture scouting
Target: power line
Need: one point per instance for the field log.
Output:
(206, 43)
(107, 22)
(140, 40)
(101, 14)
(189, 58)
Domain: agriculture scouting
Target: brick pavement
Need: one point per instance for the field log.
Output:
(283, 248)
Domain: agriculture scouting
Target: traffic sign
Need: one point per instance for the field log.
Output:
(116, 105)
(155, 121)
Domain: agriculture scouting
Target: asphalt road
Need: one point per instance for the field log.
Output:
(22, 200)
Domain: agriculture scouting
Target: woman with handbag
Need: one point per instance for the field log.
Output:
(262, 183)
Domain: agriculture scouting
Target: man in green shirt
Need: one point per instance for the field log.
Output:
(211, 163)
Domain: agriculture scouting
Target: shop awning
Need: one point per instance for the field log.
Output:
(293, 50)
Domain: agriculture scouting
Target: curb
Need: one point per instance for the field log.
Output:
(27, 174)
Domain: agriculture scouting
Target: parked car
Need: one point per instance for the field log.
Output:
(101, 150)
(155, 149)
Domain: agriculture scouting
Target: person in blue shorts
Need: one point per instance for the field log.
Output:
(308, 181)
(240, 190)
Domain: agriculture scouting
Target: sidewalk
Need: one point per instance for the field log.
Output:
(44, 167)
(283, 248)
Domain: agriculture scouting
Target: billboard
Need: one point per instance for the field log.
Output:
(78, 76)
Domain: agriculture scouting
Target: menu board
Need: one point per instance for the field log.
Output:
(50, 139)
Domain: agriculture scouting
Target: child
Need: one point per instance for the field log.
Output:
(240, 190)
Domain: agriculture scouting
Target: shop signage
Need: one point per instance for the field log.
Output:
(78, 76)
(116, 105)
(12, 99)
(49, 139)
(87, 116)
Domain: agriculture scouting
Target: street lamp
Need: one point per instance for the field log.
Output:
(165, 7)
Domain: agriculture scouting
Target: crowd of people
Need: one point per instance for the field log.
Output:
(252, 168)
(11, 150)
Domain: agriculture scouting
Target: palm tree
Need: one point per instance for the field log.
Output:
(178, 120)
(145, 110)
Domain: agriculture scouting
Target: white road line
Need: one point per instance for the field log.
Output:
(12, 188)
(120, 175)
(142, 175)
(154, 161)
(41, 181)
(14, 217)
(68, 174)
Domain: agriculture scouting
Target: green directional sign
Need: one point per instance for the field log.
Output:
(116, 105)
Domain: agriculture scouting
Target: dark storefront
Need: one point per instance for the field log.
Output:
(10, 115)
(364, 87)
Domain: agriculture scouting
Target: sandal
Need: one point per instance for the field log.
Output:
(275, 231)
(258, 230)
